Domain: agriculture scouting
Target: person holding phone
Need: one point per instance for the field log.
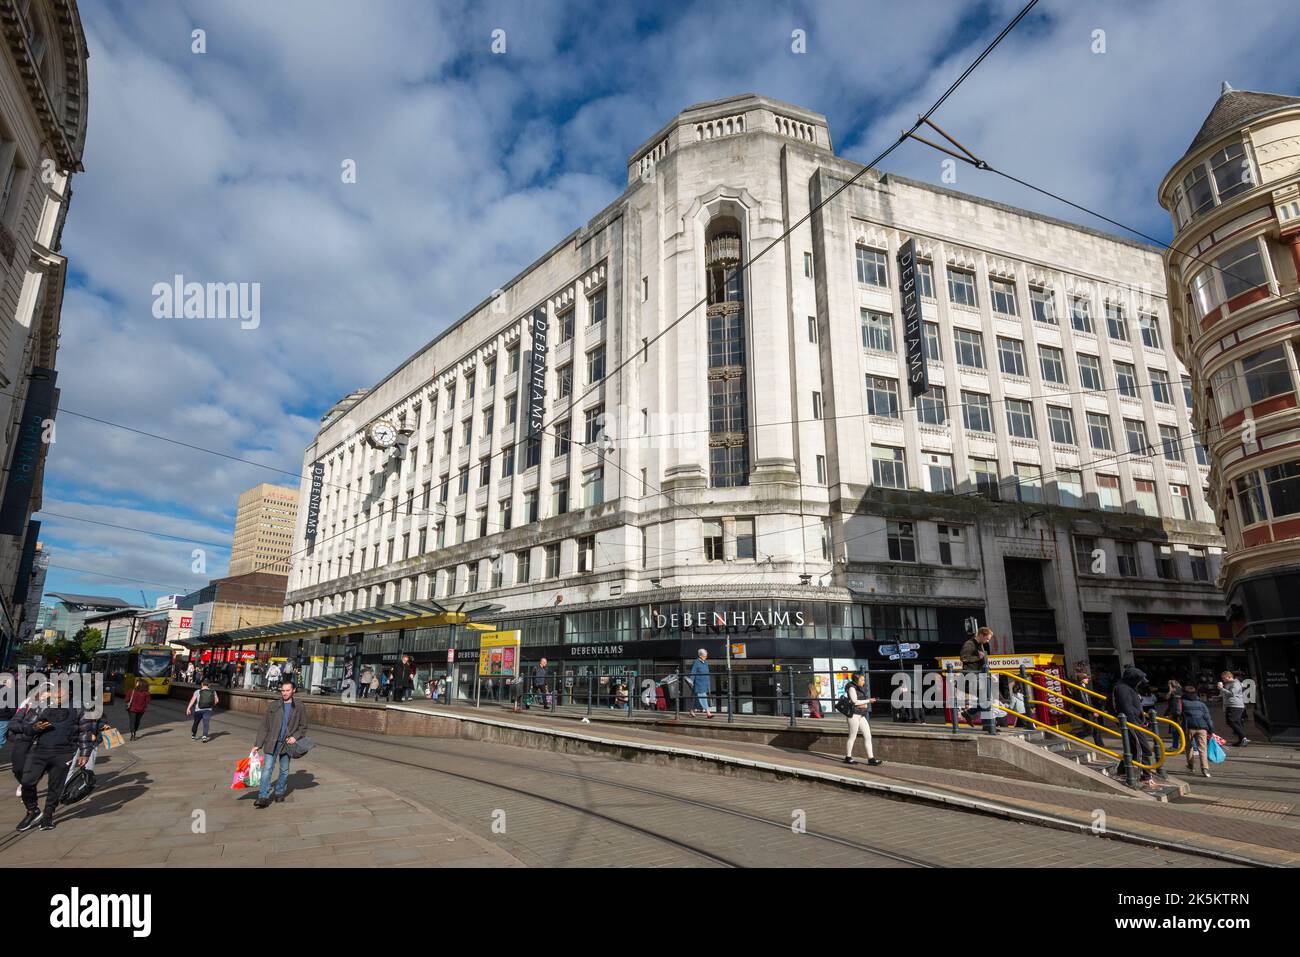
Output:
(859, 711)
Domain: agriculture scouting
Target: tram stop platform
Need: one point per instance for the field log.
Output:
(1246, 813)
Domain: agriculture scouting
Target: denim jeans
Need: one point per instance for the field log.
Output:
(204, 715)
(268, 770)
(4, 732)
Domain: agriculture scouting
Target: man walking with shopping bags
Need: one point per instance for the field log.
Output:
(283, 725)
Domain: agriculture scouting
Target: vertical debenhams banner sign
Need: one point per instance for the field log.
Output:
(536, 405)
(39, 407)
(918, 378)
(313, 503)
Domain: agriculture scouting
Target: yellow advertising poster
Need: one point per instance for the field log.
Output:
(498, 654)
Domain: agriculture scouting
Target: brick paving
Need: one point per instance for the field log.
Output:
(143, 813)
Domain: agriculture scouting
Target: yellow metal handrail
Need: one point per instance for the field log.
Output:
(1160, 750)
(1182, 738)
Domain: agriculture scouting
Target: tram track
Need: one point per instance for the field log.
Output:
(601, 782)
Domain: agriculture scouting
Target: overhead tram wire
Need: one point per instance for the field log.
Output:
(128, 528)
(142, 581)
(984, 166)
(993, 44)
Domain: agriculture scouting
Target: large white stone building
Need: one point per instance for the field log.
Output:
(763, 457)
(43, 104)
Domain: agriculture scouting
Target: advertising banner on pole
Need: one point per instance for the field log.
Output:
(498, 654)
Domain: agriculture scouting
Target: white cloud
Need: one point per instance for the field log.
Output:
(226, 167)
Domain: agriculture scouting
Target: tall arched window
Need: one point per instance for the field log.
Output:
(728, 392)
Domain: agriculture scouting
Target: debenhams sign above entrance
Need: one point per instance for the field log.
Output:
(729, 620)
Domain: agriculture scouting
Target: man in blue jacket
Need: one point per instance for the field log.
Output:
(700, 683)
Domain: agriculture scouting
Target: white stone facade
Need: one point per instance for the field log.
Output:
(43, 104)
(820, 515)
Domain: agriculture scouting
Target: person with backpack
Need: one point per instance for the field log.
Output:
(202, 703)
(137, 703)
(283, 726)
(272, 676)
(62, 734)
(1199, 725)
(856, 706)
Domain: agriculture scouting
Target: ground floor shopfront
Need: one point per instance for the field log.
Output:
(764, 652)
(1266, 620)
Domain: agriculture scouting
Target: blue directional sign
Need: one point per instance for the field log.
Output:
(903, 655)
(887, 650)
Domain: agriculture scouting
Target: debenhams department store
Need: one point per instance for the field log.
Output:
(751, 636)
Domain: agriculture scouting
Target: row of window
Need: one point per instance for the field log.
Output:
(1216, 179)
(524, 569)
(1231, 273)
(977, 416)
(1253, 378)
(1092, 559)
(968, 348)
(873, 270)
(595, 364)
(453, 531)
(889, 470)
(901, 542)
(1269, 493)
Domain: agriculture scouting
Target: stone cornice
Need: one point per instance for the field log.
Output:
(65, 142)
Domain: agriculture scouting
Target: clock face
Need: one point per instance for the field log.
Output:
(382, 434)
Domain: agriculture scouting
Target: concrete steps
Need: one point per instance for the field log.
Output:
(1163, 790)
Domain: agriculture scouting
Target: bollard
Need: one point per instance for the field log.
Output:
(952, 688)
(1158, 751)
(1130, 773)
(1027, 691)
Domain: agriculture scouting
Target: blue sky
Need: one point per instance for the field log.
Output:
(225, 167)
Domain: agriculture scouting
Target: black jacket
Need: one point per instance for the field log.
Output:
(1128, 701)
(20, 726)
(71, 729)
(269, 733)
